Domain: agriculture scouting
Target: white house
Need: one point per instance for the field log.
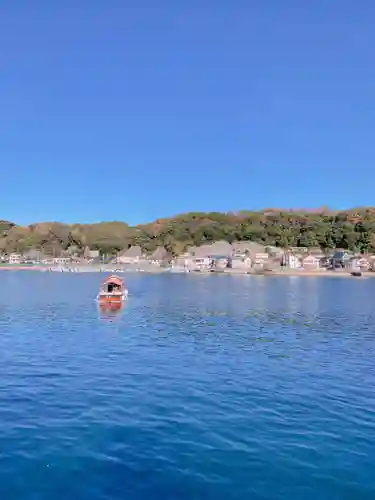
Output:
(94, 254)
(311, 263)
(202, 263)
(15, 258)
(211, 254)
(241, 263)
(184, 260)
(61, 260)
(292, 261)
(220, 262)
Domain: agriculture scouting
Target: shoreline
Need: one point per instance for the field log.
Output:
(152, 269)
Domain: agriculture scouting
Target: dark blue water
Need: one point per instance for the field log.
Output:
(204, 388)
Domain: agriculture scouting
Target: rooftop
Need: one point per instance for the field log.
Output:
(159, 254)
(135, 251)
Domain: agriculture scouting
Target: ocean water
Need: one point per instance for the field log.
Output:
(204, 387)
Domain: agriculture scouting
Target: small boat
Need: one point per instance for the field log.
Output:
(357, 274)
(111, 311)
(112, 291)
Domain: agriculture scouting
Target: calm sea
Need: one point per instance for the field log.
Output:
(205, 387)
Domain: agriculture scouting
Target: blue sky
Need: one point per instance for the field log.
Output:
(123, 113)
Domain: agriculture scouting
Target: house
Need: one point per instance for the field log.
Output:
(364, 263)
(292, 260)
(88, 253)
(311, 263)
(275, 252)
(216, 249)
(15, 258)
(259, 258)
(299, 249)
(72, 250)
(48, 261)
(130, 256)
(33, 256)
(352, 264)
(219, 262)
(184, 260)
(242, 248)
(255, 251)
(211, 255)
(271, 264)
(61, 260)
(240, 263)
(371, 261)
(92, 254)
(158, 256)
(202, 263)
(355, 263)
(79, 260)
(325, 262)
(340, 257)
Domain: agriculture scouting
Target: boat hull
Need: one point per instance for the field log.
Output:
(108, 299)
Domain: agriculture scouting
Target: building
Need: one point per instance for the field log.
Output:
(215, 249)
(256, 251)
(364, 263)
(371, 261)
(340, 257)
(184, 260)
(61, 260)
(202, 263)
(243, 248)
(240, 263)
(358, 263)
(311, 263)
(33, 256)
(158, 256)
(15, 258)
(93, 254)
(130, 256)
(298, 250)
(272, 264)
(211, 255)
(259, 258)
(275, 252)
(220, 262)
(292, 261)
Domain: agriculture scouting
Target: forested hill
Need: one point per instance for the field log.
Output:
(351, 229)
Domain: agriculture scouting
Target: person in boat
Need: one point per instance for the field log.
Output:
(114, 288)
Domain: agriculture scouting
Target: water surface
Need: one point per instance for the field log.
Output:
(206, 387)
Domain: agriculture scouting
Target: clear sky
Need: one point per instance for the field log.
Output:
(110, 112)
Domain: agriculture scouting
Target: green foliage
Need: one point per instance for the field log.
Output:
(352, 229)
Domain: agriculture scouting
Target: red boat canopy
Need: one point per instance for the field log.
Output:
(114, 279)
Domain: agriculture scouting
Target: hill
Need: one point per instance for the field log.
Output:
(351, 229)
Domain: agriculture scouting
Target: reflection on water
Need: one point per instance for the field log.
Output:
(111, 311)
(208, 387)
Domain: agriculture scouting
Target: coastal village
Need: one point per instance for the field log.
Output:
(241, 257)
